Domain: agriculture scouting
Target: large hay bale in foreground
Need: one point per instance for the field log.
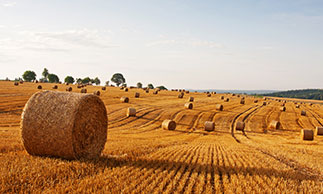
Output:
(274, 125)
(65, 125)
(137, 94)
(209, 126)
(319, 131)
(131, 112)
(124, 99)
(219, 107)
(39, 87)
(188, 105)
(240, 126)
(303, 113)
(307, 134)
(191, 99)
(169, 125)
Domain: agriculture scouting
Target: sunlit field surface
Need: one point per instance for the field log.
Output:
(140, 156)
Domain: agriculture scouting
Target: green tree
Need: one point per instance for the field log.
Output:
(162, 87)
(86, 80)
(139, 85)
(107, 83)
(96, 81)
(29, 76)
(45, 73)
(150, 86)
(78, 80)
(118, 79)
(52, 78)
(69, 79)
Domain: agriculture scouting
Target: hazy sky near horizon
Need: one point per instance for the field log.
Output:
(250, 44)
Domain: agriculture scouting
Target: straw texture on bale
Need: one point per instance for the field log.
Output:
(83, 90)
(303, 113)
(169, 125)
(283, 108)
(103, 88)
(137, 94)
(274, 125)
(219, 107)
(209, 126)
(69, 89)
(191, 99)
(188, 105)
(131, 112)
(65, 125)
(97, 93)
(319, 131)
(307, 134)
(55, 87)
(240, 126)
(39, 87)
(16, 83)
(124, 99)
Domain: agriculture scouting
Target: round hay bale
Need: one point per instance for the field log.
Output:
(103, 88)
(67, 84)
(36, 81)
(147, 91)
(222, 97)
(126, 89)
(219, 107)
(240, 126)
(187, 92)
(238, 96)
(209, 126)
(79, 86)
(65, 125)
(97, 93)
(319, 131)
(226, 100)
(297, 106)
(264, 98)
(84, 90)
(155, 92)
(274, 125)
(16, 84)
(264, 103)
(124, 99)
(242, 101)
(169, 125)
(55, 87)
(69, 89)
(191, 99)
(283, 108)
(188, 105)
(213, 92)
(208, 95)
(255, 101)
(307, 134)
(131, 112)
(181, 95)
(303, 113)
(233, 94)
(21, 82)
(137, 95)
(39, 87)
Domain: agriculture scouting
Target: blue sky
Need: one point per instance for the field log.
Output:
(264, 44)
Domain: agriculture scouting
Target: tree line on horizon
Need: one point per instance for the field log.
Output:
(315, 94)
(47, 77)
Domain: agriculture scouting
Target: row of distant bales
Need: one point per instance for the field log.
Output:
(306, 134)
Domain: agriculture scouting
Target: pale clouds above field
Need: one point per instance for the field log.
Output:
(210, 44)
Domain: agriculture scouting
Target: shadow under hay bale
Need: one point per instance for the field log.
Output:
(169, 125)
(65, 125)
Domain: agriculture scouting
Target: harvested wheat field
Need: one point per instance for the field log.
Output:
(141, 157)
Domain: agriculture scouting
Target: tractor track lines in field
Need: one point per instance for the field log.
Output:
(315, 116)
(235, 118)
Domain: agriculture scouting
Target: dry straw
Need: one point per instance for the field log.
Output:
(65, 125)
(240, 126)
(319, 131)
(274, 125)
(188, 105)
(303, 113)
(137, 95)
(209, 126)
(169, 125)
(191, 99)
(131, 112)
(69, 89)
(307, 134)
(124, 99)
(219, 107)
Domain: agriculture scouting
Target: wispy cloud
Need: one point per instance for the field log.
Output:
(8, 3)
(185, 42)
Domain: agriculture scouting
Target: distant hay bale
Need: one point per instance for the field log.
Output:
(209, 126)
(98, 93)
(283, 104)
(226, 100)
(39, 87)
(131, 112)
(103, 88)
(169, 125)
(213, 92)
(222, 97)
(83, 90)
(66, 83)
(255, 101)
(147, 91)
(191, 99)
(319, 131)
(188, 105)
(69, 89)
(307, 134)
(55, 87)
(124, 99)
(264, 98)
(274, 125)
(36, 81)
(242, 101)
(155, 92)
(264, 103)
(219, 107)
(65, 125)
(303, 113)
(137, 95)
(238, 96)
(21, 82)
(240, 126)
(283, 108)
(297, 106)
(208, 95)
(181, 95)
(16, 83)
(233, 94)
(126, 89)
(187, 92)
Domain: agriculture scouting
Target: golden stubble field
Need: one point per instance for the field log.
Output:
(139, 156)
